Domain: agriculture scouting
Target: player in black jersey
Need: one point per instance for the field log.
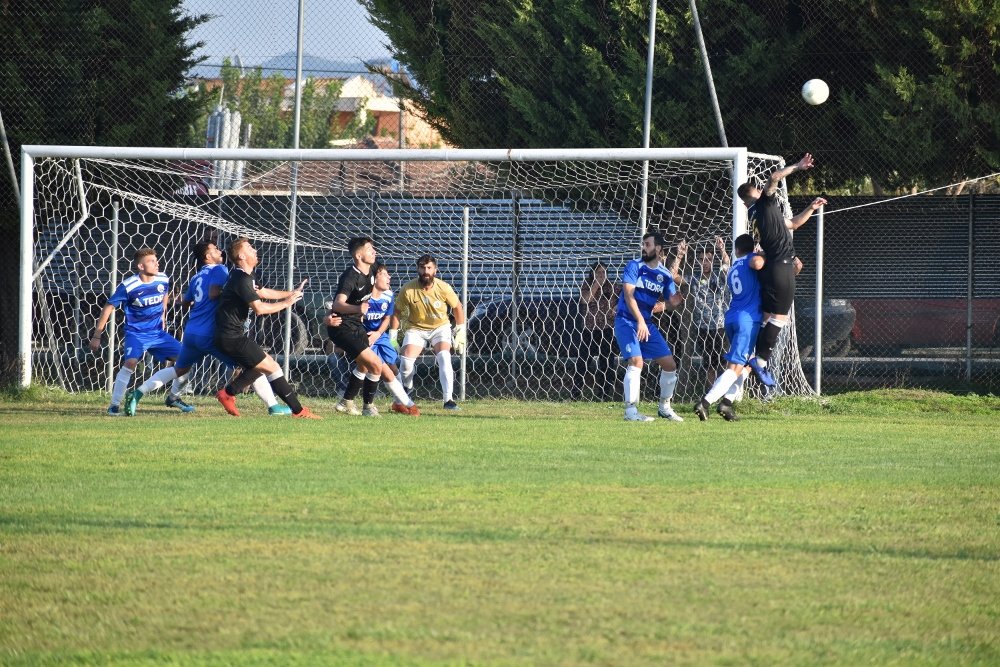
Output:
(773, 233)
(351, 303)
(240, 295)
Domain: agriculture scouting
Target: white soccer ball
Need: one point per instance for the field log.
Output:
(815, 91)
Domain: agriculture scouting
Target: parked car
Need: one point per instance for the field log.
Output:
(529, 326)
(838, 322)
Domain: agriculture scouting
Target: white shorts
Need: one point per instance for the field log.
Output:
(424, 337)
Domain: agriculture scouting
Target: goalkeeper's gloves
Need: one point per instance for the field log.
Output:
(394, 338)
(458, 338)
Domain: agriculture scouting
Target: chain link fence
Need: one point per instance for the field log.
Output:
(913, 106)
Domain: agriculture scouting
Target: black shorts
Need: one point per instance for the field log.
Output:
(777, 287)
(713, 346)
(349, 337)
(243, 350)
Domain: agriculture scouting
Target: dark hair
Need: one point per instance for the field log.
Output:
(357, 242)
(744, 190)
(378, 266)
(593, 269)
(744, 244)
(426, 259)
(657, 238)
(143, 252)
(200, 249)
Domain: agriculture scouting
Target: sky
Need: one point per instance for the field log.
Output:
(257, 30)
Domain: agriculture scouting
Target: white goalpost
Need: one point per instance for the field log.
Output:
(515, 232)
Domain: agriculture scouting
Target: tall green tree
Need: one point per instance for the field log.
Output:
(914, 84)
(263, 104)
(105, 72)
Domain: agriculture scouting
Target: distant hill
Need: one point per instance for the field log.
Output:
(312, 66)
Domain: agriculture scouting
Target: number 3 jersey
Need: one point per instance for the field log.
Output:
(143, 303)
(201, 320)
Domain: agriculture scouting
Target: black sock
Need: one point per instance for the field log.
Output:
(368, 393)
(286, 393)
(354, 384)
(242, 382)
(766, 341)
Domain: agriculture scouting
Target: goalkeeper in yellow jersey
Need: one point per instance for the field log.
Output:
(422, 308)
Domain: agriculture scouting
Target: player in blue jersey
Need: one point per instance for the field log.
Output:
(376, 322)
(646, 285)
(742, 325)
(144, 297)
(201, 297)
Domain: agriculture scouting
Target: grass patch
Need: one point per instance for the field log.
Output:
(860, 528)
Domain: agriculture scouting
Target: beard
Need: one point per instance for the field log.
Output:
(649, 258)
(426, 280)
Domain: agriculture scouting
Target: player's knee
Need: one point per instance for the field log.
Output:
(131, 364)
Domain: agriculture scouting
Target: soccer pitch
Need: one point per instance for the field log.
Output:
(861, 529)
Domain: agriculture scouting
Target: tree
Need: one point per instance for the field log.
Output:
(89, 72)
(914, 84)
(262, 103)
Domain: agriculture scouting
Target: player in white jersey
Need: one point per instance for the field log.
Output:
(144, 298)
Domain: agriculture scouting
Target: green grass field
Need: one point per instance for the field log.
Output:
(863, 529)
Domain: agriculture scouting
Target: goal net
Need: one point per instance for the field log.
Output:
(516, 233)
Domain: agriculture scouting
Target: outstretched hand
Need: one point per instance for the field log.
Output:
(806, 162)
(816, 203)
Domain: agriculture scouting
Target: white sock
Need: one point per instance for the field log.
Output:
(632, 376)
(445, 373)
(735, 392)
(159, 378)
(723, 384)
(263, 389)
(122, 381)
(179, 384)
(740, 384)
(396, 387)
(406, 368)
(668, 380)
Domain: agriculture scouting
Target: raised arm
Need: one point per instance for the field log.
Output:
(797, 221)
(270, 307)
(274, 294)
(720, 248)
(777, 176)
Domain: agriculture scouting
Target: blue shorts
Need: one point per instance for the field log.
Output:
(196, 346)
(741, 330)
(385, 351)
(160, 344)
(654, 347)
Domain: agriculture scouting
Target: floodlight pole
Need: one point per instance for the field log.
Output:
(293, 204)
(646, 114)
(708, 75)
(818, 342)
(9, 160)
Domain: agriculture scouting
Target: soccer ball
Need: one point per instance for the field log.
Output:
(815, 91)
